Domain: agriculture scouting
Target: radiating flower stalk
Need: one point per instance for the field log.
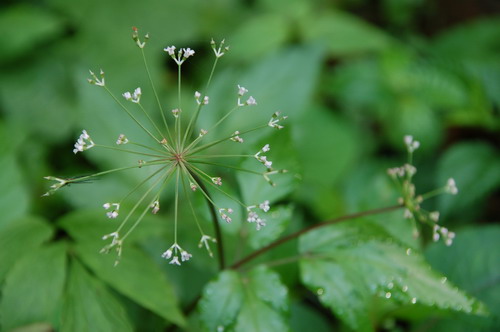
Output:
(179, 157)
(413, 211)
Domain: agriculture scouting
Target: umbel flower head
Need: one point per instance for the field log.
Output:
(403, 176)
(180, 156)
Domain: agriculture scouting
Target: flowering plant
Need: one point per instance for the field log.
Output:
(178, 157)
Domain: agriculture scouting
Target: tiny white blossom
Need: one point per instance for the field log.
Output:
(217, 181)
(185, 256)
(236, 138)
(170, 50)
(251, 101)
(155, 206)
(113, 214)
(175, 112)
(96, 81)
(121, 140)
(275, 119)
(203, 132)
(411, 145)
(83, 143)
(264, 206)
(175, 261)
(218, 51)
(451, 186)
(241, 91)
(434, 216)
(188, 52)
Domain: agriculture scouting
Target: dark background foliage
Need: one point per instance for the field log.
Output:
(354, 77)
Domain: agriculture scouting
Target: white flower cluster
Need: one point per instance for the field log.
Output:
(250, 101)
(217, 181)
(121, 140)
(182, 55)
(197, 96)
(263, 159)
(411, 144)
(83, 143)
(224, 214)
(236, 138)
(253, 217)
(277, 117)
(134, 97)
(96, 81)
(438, 231)
(114, 212)
(451, 187)
(155, 206)
(402, 171)
(219, 51)
(173, 252)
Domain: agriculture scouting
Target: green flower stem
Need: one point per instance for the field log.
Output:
(219, 156)
(150, 120)
(152, 149)
(128, 151)
(85, 177)
(226, 166)
(140, 201)
(188, 197)
(156, 95)
(433, 193)
(209, 181)
(206, 146)
(295, 235)
(215, 220)
(138, 221)
(194, 118)
(141, 183)
(130, 114)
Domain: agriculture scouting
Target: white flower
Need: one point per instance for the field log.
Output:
(185, 256)
(264, 206)
(273, 123)
(205, 100)
(155, 206)
(434, 216)
(83, 143)
(203, 132)
(251, 101)
(96, 81)
(121, 140)
(225, 216)
(411, 145)
(241, 91)
(451, 186)
(175, 261)
(217, 181)
(236, 138)
(266, 148)
(170, 50)
(113, 214)
(134, 97)
(175, 112)
(188, 52)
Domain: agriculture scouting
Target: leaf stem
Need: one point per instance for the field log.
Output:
(292, 236)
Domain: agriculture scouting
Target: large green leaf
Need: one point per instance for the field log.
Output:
(350, 264)
(252, 302)
(137, 276)
(89, 305)
(472, 263)
(343, 34)
(476, 170)
(15, 202)
(221, 301)
(28, 27)
(19, 238)
(33, 288)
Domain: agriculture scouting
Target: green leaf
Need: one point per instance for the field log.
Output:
(221, 301)
(344, 34)
(247, 42)
(33, 288)
(28, 27)
(277, 221)
(254, 302)
(90, 306)
(350, 264)
(15, 202)
(20, 238)
(472, 263)
(137, 276)
(476, 170)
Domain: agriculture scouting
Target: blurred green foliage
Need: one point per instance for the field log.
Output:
(353, 76)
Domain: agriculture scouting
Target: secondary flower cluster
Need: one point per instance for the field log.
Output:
(181, 156)
(412, 202)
